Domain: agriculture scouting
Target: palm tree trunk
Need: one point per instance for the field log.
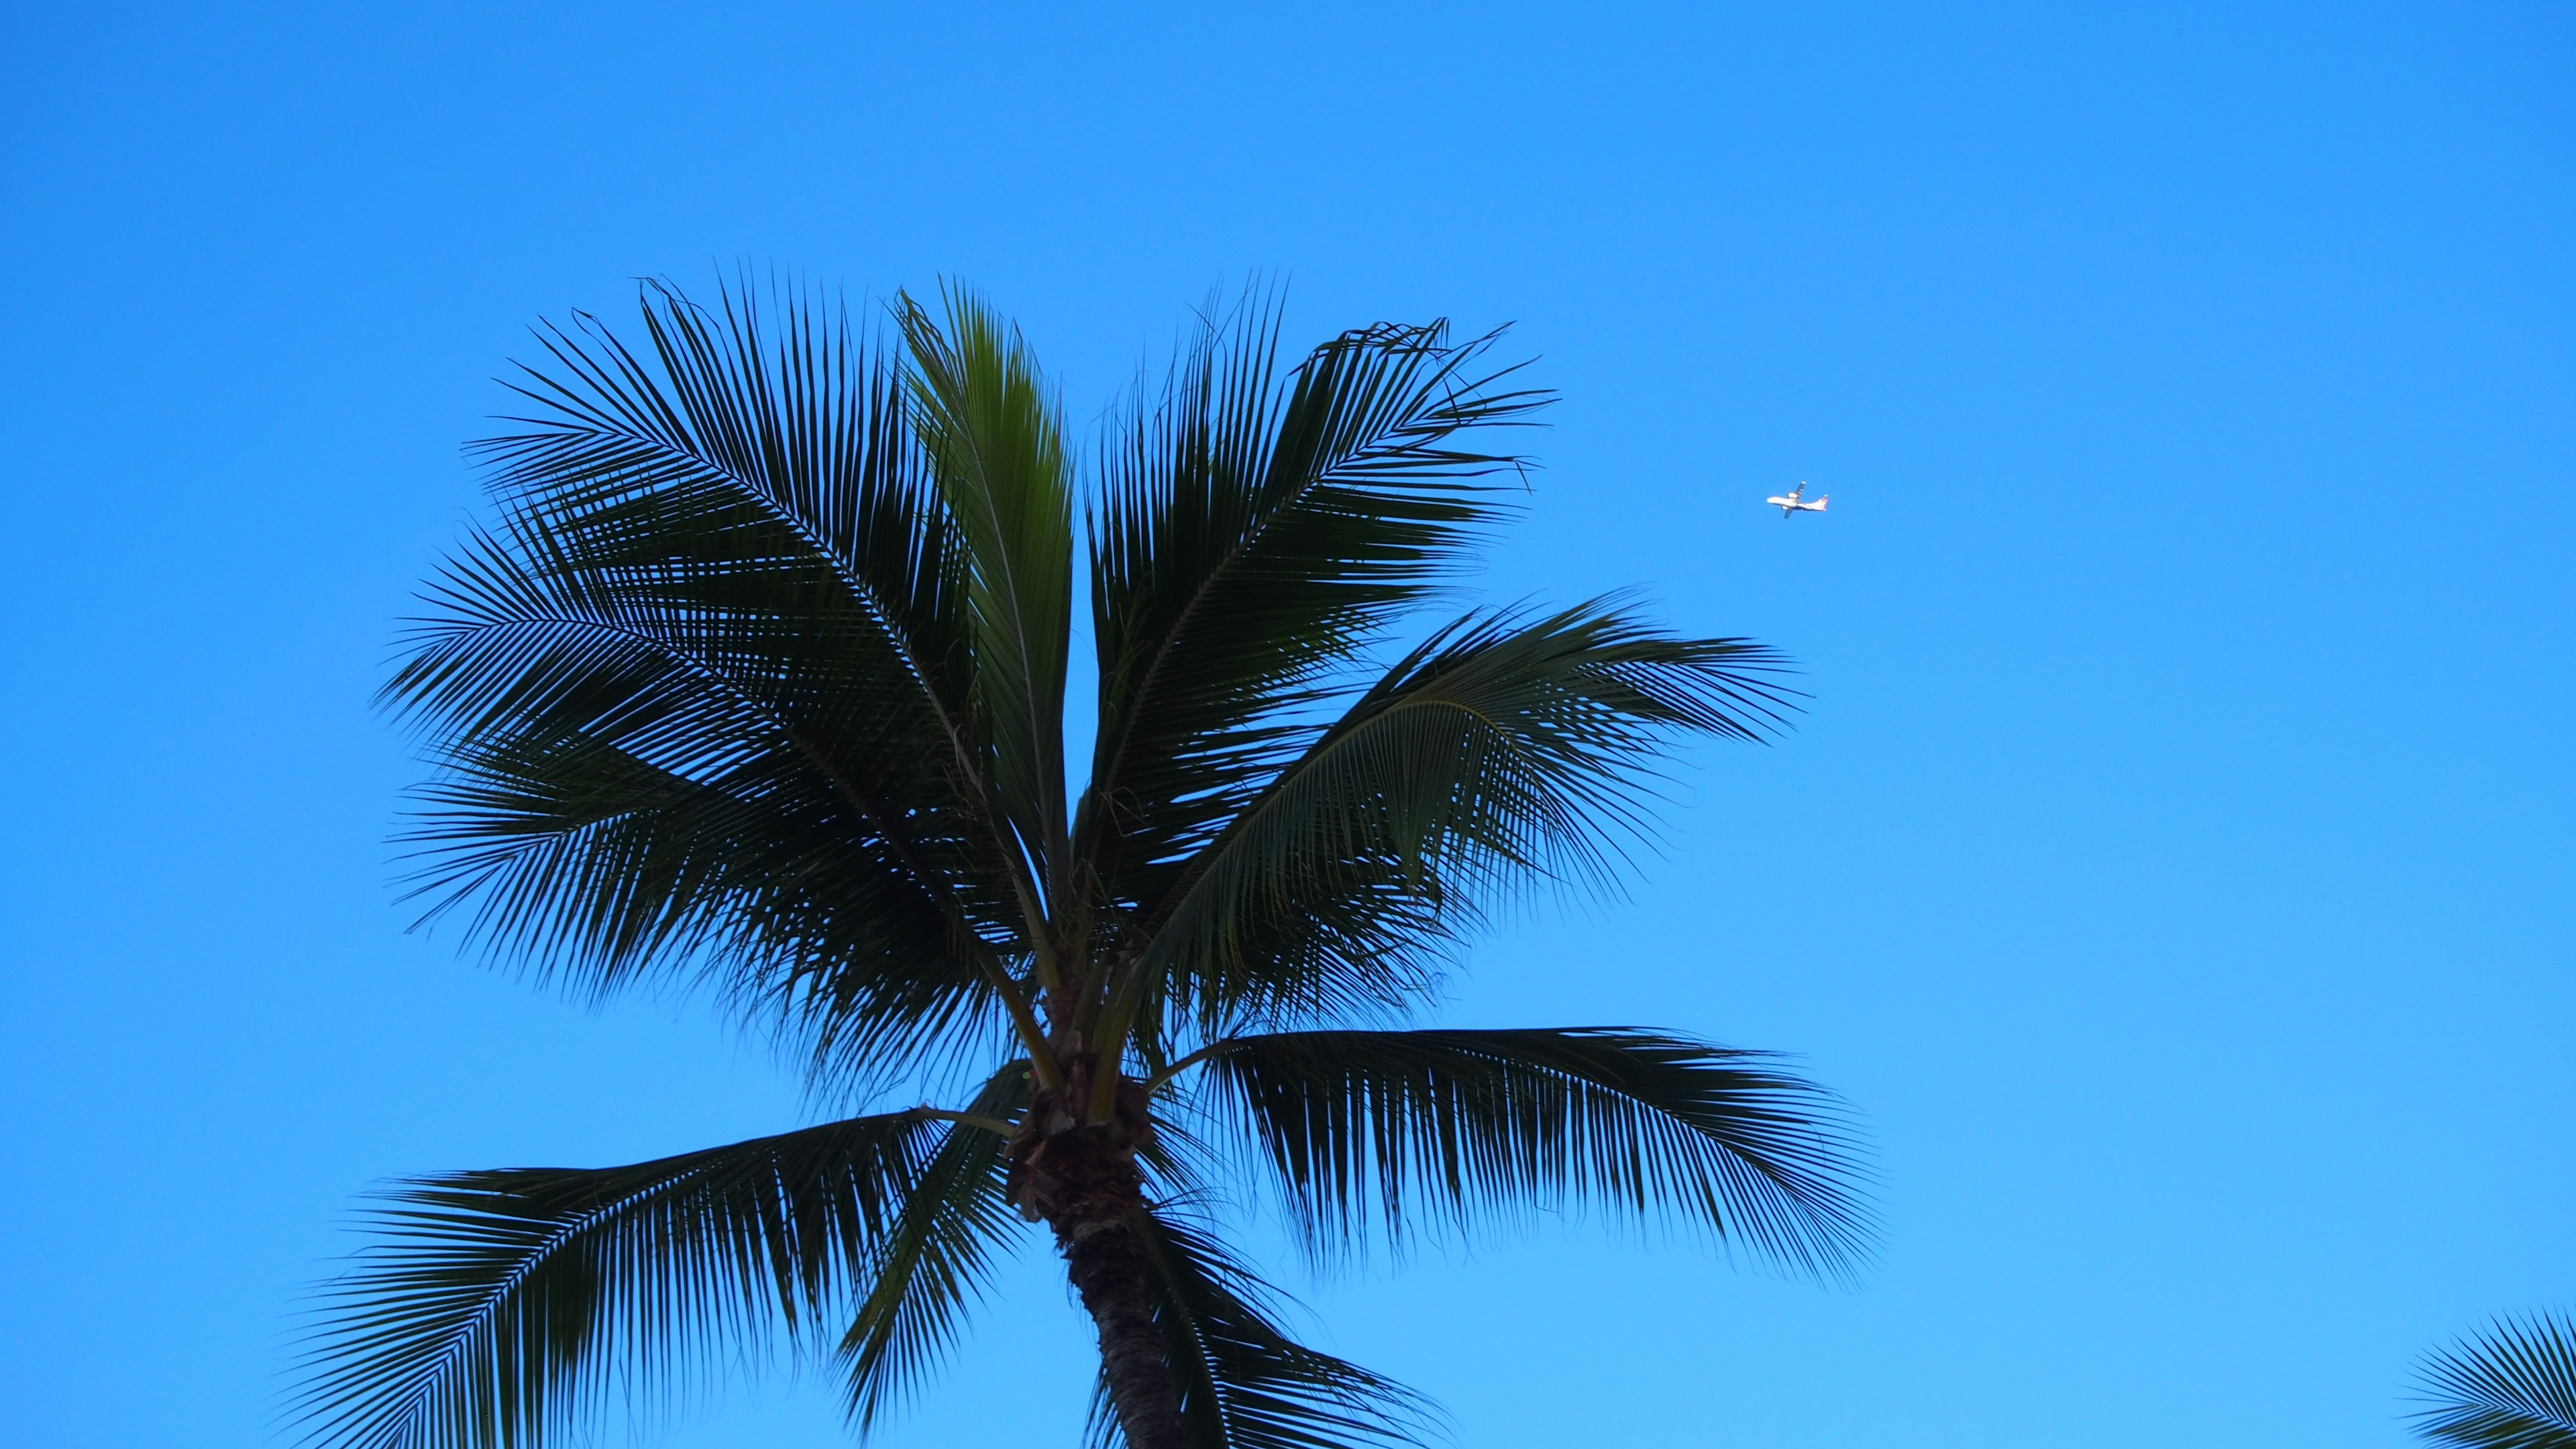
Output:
(1106, 1261)
(1083, 1182)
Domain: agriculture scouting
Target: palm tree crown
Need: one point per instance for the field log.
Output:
(759, 682)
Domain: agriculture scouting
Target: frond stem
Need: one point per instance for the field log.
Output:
(994, 1125)
(1122, 995)
(1161, 1079)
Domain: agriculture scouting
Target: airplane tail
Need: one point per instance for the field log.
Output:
(1821, 500)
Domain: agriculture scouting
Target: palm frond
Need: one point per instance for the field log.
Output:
(935, 1260)
(702, 699)
(620, 808)
(1253, 527)
(1504, 751)
(1364, 1128)
(738, 466)
(502, 1303)
(1243, 1382)
(2512, 1388)
(997, 450)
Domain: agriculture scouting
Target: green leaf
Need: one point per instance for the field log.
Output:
(1369, 1129)
(739, 471)
(996, 445)
(1503, 752)
(627, 814)
(936, 1258)
(1243, 1382)
(2514, 1388)
(1254, 526)
(502, 1304)
(699, 701)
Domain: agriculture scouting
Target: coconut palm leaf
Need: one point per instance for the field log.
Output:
(743, 478)
(807, 429)
(620, 801)
(499, 1304)
(1244, 1383)
(997, 451)
(935, 1259)
(2513, 1388)
(1504, 750)
(703, 698)
(1253, 527)
(1370, 1129)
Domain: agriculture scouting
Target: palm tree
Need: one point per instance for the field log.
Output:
(759, 684)
(2514, 1388)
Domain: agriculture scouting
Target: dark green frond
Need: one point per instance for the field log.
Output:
(706, 689)
(1365, 1129)
(619, 799)
(935, 1260)
(996, 448)
(1244, 1384)
(1503, 751)
(502, 1303)
(2513, 1388)
(1254, 526)
(740, 458)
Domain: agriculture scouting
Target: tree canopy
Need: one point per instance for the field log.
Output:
(756, 683)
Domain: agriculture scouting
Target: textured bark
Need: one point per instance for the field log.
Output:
(1082, 1180)
(1107, 1264)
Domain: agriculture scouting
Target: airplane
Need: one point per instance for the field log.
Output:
(1789, 504)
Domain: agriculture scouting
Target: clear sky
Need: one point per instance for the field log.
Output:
(2174, 865)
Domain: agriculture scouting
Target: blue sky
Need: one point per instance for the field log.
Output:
(2173, 866)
